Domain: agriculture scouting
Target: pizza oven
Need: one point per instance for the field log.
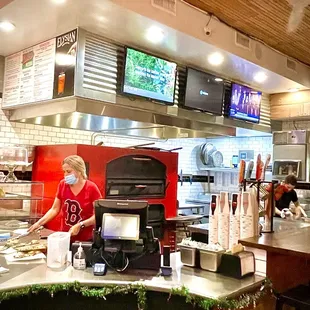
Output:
(135, 177)
(120, 173)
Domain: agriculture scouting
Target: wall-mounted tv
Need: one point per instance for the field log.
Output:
(149, 76)
(245, 103)
(204, 92)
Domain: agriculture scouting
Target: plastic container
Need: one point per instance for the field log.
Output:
(223, 220)
(57, 250)
(213, 219)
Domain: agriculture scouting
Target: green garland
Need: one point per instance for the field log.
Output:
(241, 302)
(140, 291)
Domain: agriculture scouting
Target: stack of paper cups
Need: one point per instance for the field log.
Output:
(213, 219)
(255, 210)
(246, 217)
(223, 221)
(234, 224)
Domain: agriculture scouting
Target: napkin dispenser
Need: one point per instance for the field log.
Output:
(237, 265)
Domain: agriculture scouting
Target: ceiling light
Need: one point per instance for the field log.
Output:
(102, 19)
(218, 80)
(65, 60)
(155, 35)
(6, 26)
(260, 77)
(293, 90)
(216, 59)
(59, 1)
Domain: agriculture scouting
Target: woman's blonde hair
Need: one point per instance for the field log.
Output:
(76, 163)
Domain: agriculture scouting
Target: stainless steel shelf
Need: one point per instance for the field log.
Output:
(18, 197)
(236, 170)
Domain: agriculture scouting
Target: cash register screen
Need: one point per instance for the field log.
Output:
(119, 226)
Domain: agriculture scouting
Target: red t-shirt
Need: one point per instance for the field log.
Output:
(75, 209)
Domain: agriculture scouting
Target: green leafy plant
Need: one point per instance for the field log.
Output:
(141, 292)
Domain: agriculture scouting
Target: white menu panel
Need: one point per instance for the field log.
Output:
(11, 80)
(44, 70)
(29, 75)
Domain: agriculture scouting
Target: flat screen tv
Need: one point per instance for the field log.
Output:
(245, 103)
(149, 76)
(204, 92)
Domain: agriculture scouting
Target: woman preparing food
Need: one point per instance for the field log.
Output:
(75, 199)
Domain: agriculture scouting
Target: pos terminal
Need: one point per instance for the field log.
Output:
(122, 238)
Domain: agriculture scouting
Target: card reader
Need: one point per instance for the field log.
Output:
(99, 269)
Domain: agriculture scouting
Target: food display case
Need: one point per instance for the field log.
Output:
(20, 201)
(10, 158)
(303, 193)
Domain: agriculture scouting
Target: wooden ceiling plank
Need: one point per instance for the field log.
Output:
(265, 20)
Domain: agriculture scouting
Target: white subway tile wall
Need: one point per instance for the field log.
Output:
(231, 146)
(228, 181)
(1, 72)
(28, 134)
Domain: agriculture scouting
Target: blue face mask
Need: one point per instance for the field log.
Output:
(70, 179)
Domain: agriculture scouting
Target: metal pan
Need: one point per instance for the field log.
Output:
(201, 153)
(25, 234)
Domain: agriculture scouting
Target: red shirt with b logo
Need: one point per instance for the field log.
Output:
(77, 208)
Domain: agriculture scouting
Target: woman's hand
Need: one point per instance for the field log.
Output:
(75, 229)
(300, 213)
(34, 227)
(286, 214)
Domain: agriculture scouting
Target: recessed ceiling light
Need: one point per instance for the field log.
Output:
(59, 1)
(155, 34)
(102, 19)
(216, 59)
(218, 80)
(260, 77)
(293, 90)
(7, 26)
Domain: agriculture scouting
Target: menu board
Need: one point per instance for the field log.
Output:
(29, 75)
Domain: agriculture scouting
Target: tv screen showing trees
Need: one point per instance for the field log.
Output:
(149, 76)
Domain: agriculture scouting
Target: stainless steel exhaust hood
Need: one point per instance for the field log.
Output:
(86, 114)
